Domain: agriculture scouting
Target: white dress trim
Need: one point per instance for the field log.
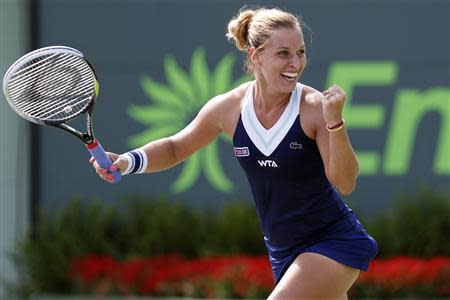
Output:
(267, 140)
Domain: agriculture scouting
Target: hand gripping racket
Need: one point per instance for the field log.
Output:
(52, 85)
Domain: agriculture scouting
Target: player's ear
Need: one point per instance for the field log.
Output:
(253, 55)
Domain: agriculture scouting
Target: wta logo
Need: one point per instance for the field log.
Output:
(267, 163)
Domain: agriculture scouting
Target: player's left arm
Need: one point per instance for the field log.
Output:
(340, 161)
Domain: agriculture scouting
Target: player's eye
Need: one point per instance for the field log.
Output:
(283, 53)
(301, 51)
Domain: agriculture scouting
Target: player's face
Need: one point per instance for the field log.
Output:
(282, 60)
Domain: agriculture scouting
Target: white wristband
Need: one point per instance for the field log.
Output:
(137, 162)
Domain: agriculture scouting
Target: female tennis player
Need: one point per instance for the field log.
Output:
(291, 141)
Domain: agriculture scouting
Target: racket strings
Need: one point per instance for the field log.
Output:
(39, 74)
(44, 109)
(31, 101)
(73, 108)
(21, 79)
(54, 87)
(63, 109)
(33, 65)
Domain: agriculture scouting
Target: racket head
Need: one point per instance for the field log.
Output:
(50, 85)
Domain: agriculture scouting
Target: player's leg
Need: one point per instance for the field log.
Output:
(314, 276)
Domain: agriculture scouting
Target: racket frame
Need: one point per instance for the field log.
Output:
(88, 138)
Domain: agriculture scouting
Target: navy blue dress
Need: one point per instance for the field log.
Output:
(299, 210)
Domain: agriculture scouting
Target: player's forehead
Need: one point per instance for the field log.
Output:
(286, 37)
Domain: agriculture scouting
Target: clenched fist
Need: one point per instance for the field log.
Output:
(333, 104)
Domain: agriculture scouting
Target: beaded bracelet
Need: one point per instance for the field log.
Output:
(137, 161)
(336, 127)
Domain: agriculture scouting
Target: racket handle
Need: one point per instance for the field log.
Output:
(102, 159)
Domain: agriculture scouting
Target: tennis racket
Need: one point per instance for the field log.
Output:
(53, 85)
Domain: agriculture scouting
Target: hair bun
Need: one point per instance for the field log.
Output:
(238, 28)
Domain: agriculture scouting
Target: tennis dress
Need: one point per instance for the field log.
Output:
(299, 210)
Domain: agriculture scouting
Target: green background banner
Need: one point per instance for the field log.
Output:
(159, 61)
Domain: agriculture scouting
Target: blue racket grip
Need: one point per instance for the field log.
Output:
(102, 159)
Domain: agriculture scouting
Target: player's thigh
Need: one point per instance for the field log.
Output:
(314, 276)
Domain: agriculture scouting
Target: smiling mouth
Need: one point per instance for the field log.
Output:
(289, 76)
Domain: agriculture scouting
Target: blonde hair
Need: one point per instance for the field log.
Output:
(252, 28)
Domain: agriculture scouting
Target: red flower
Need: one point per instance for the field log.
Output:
(403, 272)
(245, 276)
(90, 268)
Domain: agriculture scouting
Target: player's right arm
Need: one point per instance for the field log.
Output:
(172, 150)
(164, 153)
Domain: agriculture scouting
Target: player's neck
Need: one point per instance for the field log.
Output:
(266, 99)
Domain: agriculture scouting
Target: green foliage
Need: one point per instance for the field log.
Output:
(417, 225)
(138, 229)
(43, 261)
(159, 228)
(236, 231)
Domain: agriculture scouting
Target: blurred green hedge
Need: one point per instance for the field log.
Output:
(417, 225)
